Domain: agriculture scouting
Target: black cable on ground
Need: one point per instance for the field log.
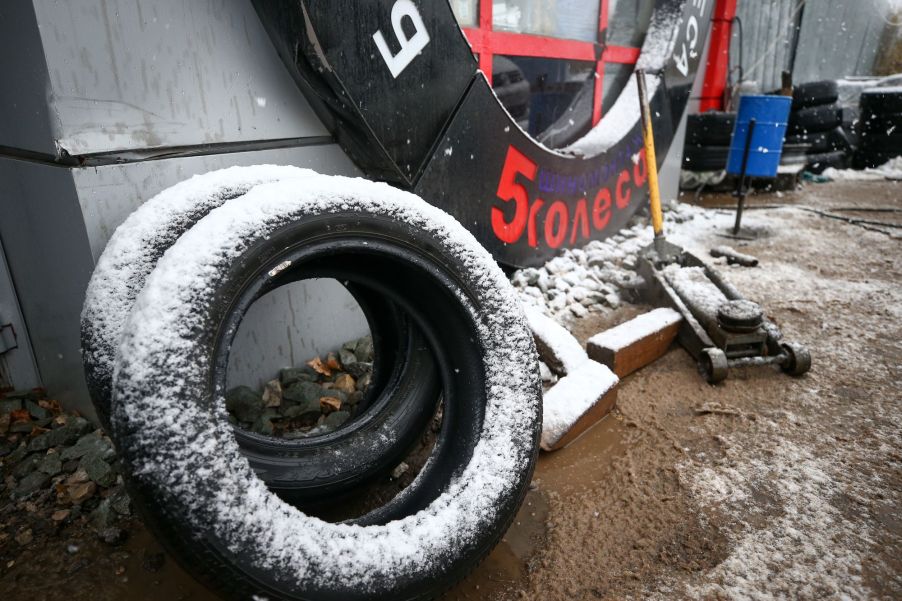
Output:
(864, 223)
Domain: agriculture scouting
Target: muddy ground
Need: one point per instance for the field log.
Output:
(762, 487)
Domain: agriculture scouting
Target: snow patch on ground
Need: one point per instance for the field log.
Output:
(892, 169)
(806, 552)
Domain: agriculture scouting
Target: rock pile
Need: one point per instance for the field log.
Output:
(314, 399)
(58, 469)
(593, 279)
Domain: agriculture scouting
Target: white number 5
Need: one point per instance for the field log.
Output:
(410, 47)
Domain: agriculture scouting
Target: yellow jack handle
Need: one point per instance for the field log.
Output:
(657, 217)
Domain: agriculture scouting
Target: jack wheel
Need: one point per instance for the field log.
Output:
(798, 360)
(713, 365)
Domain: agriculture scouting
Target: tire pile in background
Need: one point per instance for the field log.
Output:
(881, 127)
(708, 137)
(822, 133)
(816, 127)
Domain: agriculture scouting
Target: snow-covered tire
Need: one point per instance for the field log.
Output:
(133, 251)
(815, 119)
(881, 101)
(815, 93)
(405, 383)
(185, 468)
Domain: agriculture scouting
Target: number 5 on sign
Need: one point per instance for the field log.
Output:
(410, 46)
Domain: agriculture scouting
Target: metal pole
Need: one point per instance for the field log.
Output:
(651, 160)
(741, 190)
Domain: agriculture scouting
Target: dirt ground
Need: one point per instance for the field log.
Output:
(762, 487)
(792, 489)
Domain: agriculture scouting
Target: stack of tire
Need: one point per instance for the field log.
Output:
(881, 127)
(816, 127)
(708, 137)
(160, 316)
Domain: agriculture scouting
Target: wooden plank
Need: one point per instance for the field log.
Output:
(600, 410)
(636, 343)
(576, 403)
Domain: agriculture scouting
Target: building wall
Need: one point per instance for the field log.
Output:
(837, 38)
(114, 101)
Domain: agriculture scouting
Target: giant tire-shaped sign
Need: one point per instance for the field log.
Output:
(397, 84)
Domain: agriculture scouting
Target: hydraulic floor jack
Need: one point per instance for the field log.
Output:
(721, 329)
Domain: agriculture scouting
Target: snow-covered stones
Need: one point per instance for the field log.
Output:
(592, 279)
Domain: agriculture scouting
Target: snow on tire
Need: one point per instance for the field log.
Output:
(133, 252)
(405, 384)
(185, 468)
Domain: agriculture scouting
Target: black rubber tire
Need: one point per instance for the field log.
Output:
(818, 163)
(132, 253)
(815, 93)
(877, 101)
(713, 128)
(886, 144)
(823, 142)
(794, 154)
(799, 359)
(705, 158)
(405, 387)
(713, 365)
(881, 124)
(815, 119)
(185, 469)
(405, 394)
(870, 159)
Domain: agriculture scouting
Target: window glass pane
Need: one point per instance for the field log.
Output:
(466, 11)
(537, 92)
(616, 77)
(570, 19)
(628, 22)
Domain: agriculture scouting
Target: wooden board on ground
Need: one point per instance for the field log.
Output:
(576, 403)
(636, 343)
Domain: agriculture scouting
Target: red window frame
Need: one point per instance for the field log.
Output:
(486, 43)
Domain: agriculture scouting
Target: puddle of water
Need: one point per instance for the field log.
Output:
(506, 566)
(584, 462)
(567, 471)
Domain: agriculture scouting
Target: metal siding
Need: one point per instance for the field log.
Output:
(290, 326)
(17, 364)
(126, 75)
(24, 117)
(762, 23)
(56, 221)
(837, 39)
(109, 194)
(50, 261)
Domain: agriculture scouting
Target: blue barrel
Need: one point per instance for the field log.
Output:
(771, 115)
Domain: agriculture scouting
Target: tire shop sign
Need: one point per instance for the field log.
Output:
(397, 83)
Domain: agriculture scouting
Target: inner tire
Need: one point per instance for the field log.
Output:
(404, 377)
(185, 468)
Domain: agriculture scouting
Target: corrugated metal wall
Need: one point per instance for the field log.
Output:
(767, 31)
(838, 38)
